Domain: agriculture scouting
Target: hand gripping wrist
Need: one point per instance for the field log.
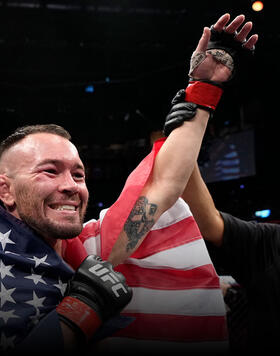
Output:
(95, 294)
(206, 94)
(198, 94)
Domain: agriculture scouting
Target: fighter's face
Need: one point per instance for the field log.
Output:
(48, 185)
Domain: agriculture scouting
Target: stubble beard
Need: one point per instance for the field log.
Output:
(51, 229)
(29, 212)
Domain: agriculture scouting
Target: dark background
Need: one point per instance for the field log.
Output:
(135, 56)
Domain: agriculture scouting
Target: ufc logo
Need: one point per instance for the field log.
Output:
(105, 275)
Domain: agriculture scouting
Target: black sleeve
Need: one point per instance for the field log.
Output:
(46, 337)
(248, 248)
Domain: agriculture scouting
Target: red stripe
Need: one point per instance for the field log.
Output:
(73, 250)
(116, 216)
(175, 328)
(177, 234)
(170, 279)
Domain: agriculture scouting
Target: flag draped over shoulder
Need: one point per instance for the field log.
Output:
(120, 210)
(33, 279)
(176, 291)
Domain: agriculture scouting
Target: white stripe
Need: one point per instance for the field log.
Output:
(92, 245)
(102, 215)
(188, 256)
(192, 302)
(90, 221)
(179, 211)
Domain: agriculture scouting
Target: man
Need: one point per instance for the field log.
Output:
(250, 253)
(45, 196)
(171, 274)
(42, 186)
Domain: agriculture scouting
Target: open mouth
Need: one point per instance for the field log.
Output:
(64, 207)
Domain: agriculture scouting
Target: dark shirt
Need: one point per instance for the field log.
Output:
(251, 254)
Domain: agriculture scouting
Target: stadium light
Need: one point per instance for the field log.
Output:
(257, 5)
(89, 89)
(263, 213)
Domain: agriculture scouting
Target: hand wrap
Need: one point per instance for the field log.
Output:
(95, 293)
(226, 42)
(206, 94)
(225, 49)
(198, 94)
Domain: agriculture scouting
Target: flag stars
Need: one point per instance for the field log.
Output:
(30, 285)
(39, 261)
(36, 278)
(6, 315)
(7, 342)
(36, 302)
(4, 239)
(5, 295)
(61, 286)
(36, 317)
(5, 270)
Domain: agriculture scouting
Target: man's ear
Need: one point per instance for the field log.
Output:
(6, 194)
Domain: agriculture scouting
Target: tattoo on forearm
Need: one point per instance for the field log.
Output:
(140, 221)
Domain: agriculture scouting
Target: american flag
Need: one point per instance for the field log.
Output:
(33, 279)
(177, 303)
(177, 300)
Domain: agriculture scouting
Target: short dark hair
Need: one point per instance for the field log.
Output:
(21, 132)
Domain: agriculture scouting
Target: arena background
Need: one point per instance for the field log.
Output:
(107, 71)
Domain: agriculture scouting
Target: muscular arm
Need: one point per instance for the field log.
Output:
(173, 166)
(199, 199)
(176, 159)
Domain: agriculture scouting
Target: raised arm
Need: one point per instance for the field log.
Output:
(176, 159)
(196, 193)
(199, 199)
